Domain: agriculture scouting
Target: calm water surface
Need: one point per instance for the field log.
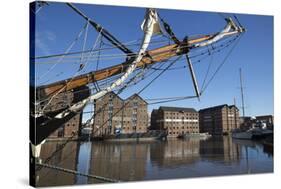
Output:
(154, 160)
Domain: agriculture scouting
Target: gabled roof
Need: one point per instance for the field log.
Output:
(136, 96)
(177, 109)
(218, 107)
(259, 116)
(233, 106)
(154, 111)
(111, 93)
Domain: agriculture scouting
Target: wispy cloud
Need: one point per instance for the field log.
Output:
(43, 39)
(51, 36)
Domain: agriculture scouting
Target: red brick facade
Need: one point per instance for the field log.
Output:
(113, 113)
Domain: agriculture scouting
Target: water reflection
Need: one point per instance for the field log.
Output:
(154, 160)
(174, 153)
(220, 149)
(66, 158)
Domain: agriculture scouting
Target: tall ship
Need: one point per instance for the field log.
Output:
(47, 99)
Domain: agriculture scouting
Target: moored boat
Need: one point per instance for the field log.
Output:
(242, 134)
(253, 133)
(123, 137)
(194, 135)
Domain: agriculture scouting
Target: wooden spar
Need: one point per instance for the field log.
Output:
(102, 30)
(194, 80)
(151, 57)
(156, 55)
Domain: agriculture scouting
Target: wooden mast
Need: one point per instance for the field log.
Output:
(151, 57)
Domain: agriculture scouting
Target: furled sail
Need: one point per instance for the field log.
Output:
(150, 26)
(230, 28)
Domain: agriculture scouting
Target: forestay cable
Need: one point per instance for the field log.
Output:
(149, 23)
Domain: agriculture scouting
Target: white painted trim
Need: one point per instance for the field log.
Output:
(178, 120)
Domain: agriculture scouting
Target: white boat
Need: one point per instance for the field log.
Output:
(242, 135)
(195, 135)
(253, 133)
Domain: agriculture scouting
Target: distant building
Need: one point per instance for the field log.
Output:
(115, 115)
(154, 125)
(219, 119)
(176, 120)
(246, 122)
(148, 120)
(62, 101)
(68, 128)
(267, 119)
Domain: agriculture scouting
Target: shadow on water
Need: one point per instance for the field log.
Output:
(154, 160)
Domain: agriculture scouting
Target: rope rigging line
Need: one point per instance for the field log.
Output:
(77, 72)
(133, 79)
(104, 82)
(67, 50)
(237, 20)
(119, 91)
(168, 30)
(81, 66)
(51, 56)
(40, 5)
(103, 49)
(83, 48)
(209, 52)
(174, 68)
(101, 83)
(213, 51)
(96, 84)
(148, 32)
(172, 100)
(115, 56)
(77, 172)
(148, 28)
(221, 64)
(155, 78)
(104, 57)
(103, 31)
(208, 70)
(138, 93)
(73, 135)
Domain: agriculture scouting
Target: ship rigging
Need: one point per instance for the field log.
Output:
(137, 66)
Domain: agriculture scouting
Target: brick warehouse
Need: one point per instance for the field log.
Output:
(62, 101)
(110, 115)
(176, 120)
(219, 120)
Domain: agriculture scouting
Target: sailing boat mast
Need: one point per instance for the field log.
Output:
(102, 30)
(235, 116)
(242, 92)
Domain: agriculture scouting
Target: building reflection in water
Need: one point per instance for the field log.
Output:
(175, 152)
(125, 162)
(66, 158)
(220, 149)
(154, 160)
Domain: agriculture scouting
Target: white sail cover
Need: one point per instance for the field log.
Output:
(153, 22)
(150, 26)
(228, 28)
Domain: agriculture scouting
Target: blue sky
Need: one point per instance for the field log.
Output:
(57, 25)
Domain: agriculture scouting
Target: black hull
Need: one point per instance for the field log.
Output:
(43, 126)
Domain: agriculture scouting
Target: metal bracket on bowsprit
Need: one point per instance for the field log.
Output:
(170, 32)
(184, 46)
